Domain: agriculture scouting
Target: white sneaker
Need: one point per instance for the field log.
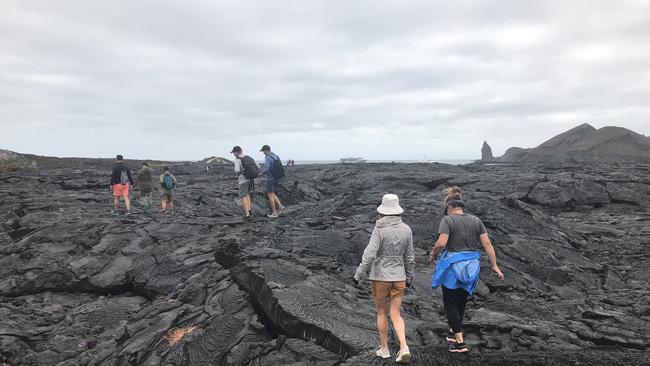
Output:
(273, 215)
(403, 356)
(383, 353)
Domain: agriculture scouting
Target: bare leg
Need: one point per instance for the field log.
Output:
(459, 337)
(398, 322)
(171, 203)
(382, 322)
(127, 202)
(278, 204)
(246, 204)
(274, 209)
(116, 203)
(164, 202)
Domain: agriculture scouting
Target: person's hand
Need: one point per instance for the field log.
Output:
(355, 281)
(408, 283)
(432, 257)
(497, 272)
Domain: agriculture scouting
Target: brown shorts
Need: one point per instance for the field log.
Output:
(387, 290)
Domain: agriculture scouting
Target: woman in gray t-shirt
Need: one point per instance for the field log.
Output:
(461, 235)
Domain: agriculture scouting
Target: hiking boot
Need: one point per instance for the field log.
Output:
(273, 215)
(403, 356)
(382, 353)
(114, 212)
(458, 348)
(281, 210)
(127, 212)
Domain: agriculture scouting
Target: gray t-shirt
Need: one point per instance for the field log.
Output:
(464, 232)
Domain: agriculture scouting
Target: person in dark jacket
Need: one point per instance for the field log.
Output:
(120, 181)
(145, 182)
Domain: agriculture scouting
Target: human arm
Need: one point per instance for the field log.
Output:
(268, 160)
(444, 230)
(439, 246)
(115, 176)
(409, 261)
(369, 255)
(489, 249)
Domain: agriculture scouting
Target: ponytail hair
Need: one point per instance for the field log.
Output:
(453, 196)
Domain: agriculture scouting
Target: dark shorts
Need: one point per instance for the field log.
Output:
(382, 290)
(273, 183)
(244, 189)
(167, 194)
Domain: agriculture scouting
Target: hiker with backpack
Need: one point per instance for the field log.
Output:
(167, 184)
(145, 182)
(119, 185)
(247, 170)
(274, 171)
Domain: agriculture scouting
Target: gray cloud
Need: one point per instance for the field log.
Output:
(316, 80)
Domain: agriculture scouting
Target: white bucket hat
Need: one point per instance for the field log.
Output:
(390, 205)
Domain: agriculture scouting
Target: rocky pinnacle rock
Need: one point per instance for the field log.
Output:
(486, 152)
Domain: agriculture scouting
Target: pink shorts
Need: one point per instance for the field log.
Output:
(120, 190)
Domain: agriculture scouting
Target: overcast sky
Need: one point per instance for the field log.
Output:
(316, 79)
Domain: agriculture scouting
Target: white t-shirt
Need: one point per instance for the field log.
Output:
(238, 169)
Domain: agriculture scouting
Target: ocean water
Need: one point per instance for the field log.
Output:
(442, 161)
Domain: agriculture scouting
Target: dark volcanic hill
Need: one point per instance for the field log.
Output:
(80, 287)
(587, 144)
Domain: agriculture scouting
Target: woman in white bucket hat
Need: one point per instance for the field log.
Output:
(391, 260)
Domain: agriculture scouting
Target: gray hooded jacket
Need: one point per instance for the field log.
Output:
(389, 255)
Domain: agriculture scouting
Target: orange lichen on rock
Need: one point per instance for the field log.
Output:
(175, 335)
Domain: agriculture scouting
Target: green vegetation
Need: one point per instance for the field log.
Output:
(11, 161)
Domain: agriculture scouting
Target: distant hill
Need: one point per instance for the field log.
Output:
(587, 144)
(12, 161)
(216, 160)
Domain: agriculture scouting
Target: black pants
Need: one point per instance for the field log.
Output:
(454, 301)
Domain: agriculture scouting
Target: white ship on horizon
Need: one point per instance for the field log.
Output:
(353, 160)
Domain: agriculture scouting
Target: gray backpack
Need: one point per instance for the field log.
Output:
(124, 177)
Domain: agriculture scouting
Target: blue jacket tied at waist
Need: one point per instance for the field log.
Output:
(457, 270)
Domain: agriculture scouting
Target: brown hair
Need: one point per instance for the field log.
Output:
(452, 193)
